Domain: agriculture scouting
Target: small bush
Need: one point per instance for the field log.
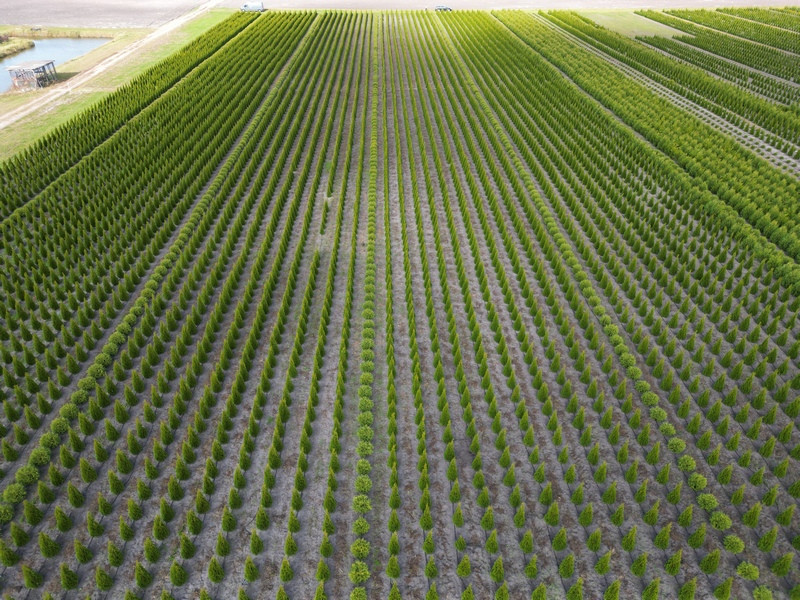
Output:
(747, 570)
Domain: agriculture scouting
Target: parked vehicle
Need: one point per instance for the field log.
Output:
(253, 7)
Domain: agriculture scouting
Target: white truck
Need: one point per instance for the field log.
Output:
(253, 7)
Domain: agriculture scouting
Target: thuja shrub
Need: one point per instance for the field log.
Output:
(747, 570)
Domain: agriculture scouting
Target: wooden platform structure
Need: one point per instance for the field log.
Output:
(33, 74)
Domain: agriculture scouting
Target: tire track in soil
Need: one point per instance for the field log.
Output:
(792, 87)
(776, 97)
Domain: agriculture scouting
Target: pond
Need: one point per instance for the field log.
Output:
(60, 50)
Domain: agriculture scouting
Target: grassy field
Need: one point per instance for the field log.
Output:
(25, 132)
(14, 46)
(627, 22)
(402, 304)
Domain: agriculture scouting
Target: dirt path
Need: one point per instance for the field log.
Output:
(82, 79)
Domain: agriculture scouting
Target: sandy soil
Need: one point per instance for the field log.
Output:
(99, 13)
(152, 13)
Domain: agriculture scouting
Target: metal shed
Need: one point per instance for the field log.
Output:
(32, 74)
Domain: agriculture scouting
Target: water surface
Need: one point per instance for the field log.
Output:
(60, 50)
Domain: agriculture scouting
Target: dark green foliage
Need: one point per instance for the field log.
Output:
(651, 592)
(187, 548)
(160, 529)
(575, 592)
(498, 572)
(286, 572)
(102, 579)
(151, 550)
(82, 553)
(32, 579)
(767, 541)
(567, 566)
(8, 557)
(723, 590)
(710, 562)
(629, 540)
(612, 591)
(673, 564)
(464, 568)
(783, 565)
(114, 554)
(603, 564)
(19, 535)
(69, 578)
(177, 574)
(215, 572)
(560, 540)
(688, 589)
(142, 576)
(76, 499)
(48, 546)
(639, 566)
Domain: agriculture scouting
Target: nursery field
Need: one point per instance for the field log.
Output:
(412, 305)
